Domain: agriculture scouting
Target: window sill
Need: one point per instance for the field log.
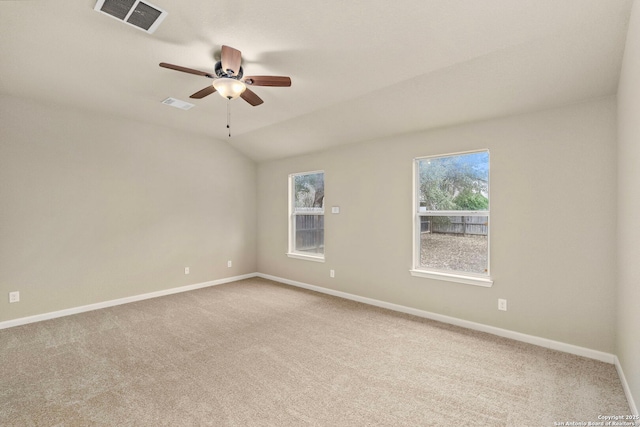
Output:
(314, 258)
(486, 282)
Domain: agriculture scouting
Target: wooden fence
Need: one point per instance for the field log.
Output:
(465, 225)
(310, 233)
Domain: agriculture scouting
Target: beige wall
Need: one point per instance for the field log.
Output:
(628, 310)
(98, 208)
(553, 215)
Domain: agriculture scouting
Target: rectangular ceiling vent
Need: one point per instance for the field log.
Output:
(173, 102)
(140, 14)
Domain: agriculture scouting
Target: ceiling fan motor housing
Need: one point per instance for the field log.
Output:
(223, 73)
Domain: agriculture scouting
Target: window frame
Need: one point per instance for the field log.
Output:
(469, 278)
(292, 252)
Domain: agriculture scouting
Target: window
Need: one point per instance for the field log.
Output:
(451, 229)
(306, 216)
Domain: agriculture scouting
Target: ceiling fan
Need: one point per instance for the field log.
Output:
(228, 78)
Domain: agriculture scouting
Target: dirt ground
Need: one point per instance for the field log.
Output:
(452, 252)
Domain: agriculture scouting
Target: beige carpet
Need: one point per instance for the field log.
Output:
(258, 353)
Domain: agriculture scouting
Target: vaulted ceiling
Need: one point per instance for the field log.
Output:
(360, 69)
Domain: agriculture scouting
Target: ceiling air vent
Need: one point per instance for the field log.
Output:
(142, 15)
(173, 102)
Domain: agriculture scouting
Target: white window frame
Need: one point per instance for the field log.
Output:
(292, 253)
(468, 278)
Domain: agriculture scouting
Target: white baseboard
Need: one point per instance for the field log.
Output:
(625, 387)
(531, 339)
(119, 301)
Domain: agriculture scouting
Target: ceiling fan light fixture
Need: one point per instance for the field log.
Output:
(229, 88)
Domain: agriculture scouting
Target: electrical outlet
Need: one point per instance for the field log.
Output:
(186, 270)
(502, 304)
(14, 296)
(229, 263)
(332, 273)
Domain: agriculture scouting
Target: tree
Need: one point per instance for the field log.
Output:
(309, 190)
(454, 182)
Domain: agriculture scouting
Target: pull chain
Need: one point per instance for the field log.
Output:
(229, 116)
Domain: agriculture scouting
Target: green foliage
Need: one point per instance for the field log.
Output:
(470, 201)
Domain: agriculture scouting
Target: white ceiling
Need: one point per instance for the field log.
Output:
(360, 69)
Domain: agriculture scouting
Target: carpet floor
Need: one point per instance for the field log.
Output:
(259, 353)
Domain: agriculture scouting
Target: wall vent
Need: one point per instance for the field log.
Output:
(142, 15)
(173, 102)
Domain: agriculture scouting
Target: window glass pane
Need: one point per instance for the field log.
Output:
(307, 214)
(459, 182)
(308, 192)
(454, 243)
(309, 231)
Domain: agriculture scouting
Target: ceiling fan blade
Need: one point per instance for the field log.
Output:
(185, 70)
(204, 92)
(249, 96)
(231, 60)
(268, 81)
